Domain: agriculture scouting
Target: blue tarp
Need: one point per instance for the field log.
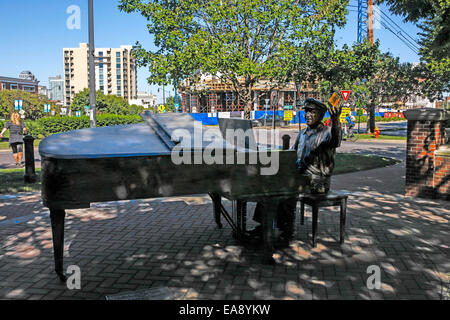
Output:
(212, 118)
(205, 118)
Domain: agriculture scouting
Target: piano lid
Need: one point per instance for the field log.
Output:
(174, 127)
(104, 142)
(158, 136)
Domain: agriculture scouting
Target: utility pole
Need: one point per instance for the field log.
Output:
(92, 97)
(370, 20)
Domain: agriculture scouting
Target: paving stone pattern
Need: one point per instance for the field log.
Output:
(174, 243)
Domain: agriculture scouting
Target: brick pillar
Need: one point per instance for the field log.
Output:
(425, 134)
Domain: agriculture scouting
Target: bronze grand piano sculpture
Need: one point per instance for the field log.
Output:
(135, 162)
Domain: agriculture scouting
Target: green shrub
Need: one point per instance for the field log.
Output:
(52, 125)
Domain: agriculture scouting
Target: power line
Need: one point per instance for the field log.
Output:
(405, 42)
(398, 26)
(394, 28)
(398, 34)
(391, 21)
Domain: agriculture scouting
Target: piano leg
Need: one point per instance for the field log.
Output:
(241, 207)
(217, 203)
(268, 224)
(57, 220)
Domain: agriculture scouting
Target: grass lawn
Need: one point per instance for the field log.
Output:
(381, 137)
(350, 162)
(11, 180)
(4, 144)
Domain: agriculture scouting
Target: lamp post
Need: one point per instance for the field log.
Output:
(92, 97)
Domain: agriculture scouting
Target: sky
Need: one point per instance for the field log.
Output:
(33, 34)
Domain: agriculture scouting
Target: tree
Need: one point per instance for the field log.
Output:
(390, 82)
(105, 103)
(433, 17)
(238, 41)
(374, 78)
(33, 104)
(344, 67)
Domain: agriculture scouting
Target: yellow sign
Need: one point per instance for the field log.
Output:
(161, 108)
(334, 99)
(344, 113)
(288, 116)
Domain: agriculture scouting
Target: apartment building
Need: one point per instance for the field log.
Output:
(115, 71)
(56, 88)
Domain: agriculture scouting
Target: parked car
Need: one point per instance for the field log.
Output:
(279, 121)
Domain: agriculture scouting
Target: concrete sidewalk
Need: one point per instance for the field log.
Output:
(174, 243)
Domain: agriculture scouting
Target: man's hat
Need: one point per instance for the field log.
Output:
(312, 103)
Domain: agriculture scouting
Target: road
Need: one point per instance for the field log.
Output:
(7, 160)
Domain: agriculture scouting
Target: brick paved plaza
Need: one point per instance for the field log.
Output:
(174, 243)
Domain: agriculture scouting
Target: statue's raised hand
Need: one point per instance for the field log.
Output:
(335, 112)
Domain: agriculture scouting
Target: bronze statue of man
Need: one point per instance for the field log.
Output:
(316, 147)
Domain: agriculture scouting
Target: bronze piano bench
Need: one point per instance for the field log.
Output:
(317, 201)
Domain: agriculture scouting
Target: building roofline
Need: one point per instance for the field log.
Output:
(18, 80)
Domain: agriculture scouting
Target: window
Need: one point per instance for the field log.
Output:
(100, 53)
(29, 89)
(118, 76)
(119, 88)
(119, 94)
(119, 82)
(13, 87)
(102, 88)
(100, 65)
(101, 82)
(100, 59)
(101, 77)
(118, 60)
(118, 66)
(118, 54)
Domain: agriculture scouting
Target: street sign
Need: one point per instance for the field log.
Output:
(287, 107)
(161, 108)
(18, 104)
(345, 94)
(344, 113)
(22, 112)
(47, 108)
(267, 101)
(78, 113)
(334, 100)
(288, 116)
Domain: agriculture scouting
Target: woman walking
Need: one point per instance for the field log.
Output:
(16, 127)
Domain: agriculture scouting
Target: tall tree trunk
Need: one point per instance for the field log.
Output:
(248, 104)
(371, 122)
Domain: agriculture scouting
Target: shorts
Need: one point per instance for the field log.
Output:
(17, 147)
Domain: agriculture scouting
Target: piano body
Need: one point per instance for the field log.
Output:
(134, 162)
